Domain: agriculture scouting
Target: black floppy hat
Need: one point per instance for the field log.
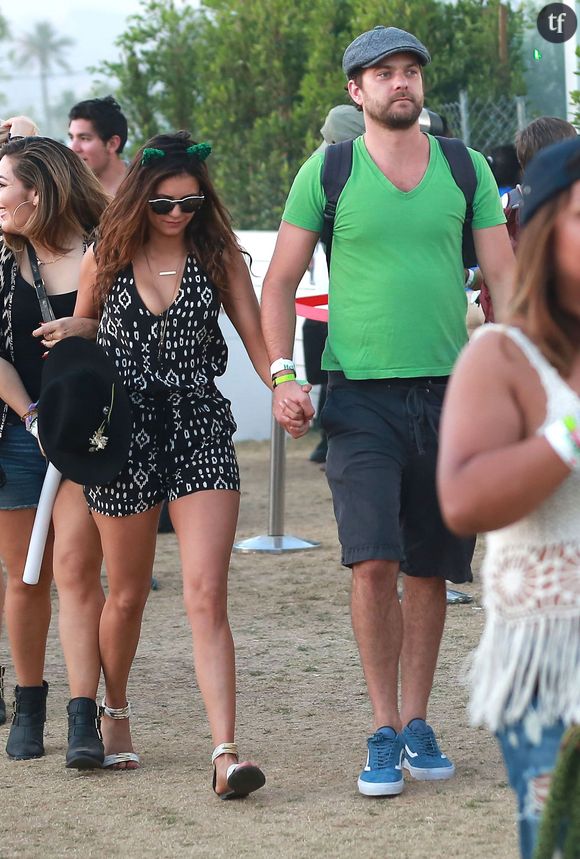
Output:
(84, 416)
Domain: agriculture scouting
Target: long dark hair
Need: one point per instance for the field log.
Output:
(70, 198)
(535, 303)
(125, 226)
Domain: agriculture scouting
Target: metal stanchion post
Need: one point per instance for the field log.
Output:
(275, 540)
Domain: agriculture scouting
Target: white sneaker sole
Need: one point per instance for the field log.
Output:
(424, 774)
(380, 789)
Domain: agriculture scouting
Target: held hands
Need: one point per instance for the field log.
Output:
(293, 407)
(69, 326)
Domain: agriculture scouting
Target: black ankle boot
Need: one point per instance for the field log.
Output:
(85, 745)
(2, 703)
(26, 732)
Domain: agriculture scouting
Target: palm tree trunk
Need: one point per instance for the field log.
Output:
(45, 104)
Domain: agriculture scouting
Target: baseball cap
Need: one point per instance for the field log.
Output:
(552, 170)
(372, 46)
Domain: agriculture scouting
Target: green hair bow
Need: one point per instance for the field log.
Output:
(151, 154)
(199, 150)
(196, 150)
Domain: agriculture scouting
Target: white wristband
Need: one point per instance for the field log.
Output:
(470, 278)
(560, 439)
(281, 365)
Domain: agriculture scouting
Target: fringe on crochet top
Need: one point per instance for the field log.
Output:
(531, 578)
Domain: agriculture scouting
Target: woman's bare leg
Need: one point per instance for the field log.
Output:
(205, 524)
(27, 607)
(77, 558)
(129, 549)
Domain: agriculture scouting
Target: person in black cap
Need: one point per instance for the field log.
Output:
(510, 466)
(165, 262)
(396, 324)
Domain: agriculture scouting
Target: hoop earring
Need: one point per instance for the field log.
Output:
(24, 202)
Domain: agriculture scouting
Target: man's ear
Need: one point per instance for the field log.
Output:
(113, 143)
(354, 91)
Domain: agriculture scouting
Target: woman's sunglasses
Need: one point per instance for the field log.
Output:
(165, 205)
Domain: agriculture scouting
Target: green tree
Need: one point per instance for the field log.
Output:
(575, 97)
(462, 39)
(44, 48)
(254, 58)
(156, 73)
(257, 77)
(328, 29)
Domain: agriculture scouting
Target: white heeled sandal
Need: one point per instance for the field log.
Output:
(119, 757)
(242, 779)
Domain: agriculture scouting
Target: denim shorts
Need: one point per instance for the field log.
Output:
(530, 752)
(381, 463)
(22, 469)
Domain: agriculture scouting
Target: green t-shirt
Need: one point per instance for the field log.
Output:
(397, 301)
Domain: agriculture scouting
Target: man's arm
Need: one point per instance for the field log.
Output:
(497, 262)
(293, 252)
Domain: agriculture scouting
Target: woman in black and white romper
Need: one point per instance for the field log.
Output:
(165, 263)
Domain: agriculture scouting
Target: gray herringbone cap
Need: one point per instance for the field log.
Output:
(372, 46)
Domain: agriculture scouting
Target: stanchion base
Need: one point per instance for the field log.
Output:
(275, 545)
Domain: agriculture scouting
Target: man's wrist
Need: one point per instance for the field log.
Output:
(283, 377)
(282, 365)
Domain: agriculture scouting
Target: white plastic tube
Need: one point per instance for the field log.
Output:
(41, 525)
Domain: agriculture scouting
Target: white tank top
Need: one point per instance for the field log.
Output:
(531, 576)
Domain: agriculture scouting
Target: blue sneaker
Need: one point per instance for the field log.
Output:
(423, 757)
(383, 773)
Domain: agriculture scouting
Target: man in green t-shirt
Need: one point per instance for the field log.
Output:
(396, 325)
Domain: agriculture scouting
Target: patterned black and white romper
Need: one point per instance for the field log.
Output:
(182, 425)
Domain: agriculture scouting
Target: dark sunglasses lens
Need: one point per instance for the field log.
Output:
(187, 206)
(191, 204)
(161, 207)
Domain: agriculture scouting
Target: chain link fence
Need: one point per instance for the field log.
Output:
(486, 122)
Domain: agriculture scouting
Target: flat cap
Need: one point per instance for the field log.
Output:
(552, 170)
(372, 46)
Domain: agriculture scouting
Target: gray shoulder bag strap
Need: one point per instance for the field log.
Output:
(45, 308)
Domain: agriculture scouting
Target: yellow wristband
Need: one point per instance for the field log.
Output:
(288, 377)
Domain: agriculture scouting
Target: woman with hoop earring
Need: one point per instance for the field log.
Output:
(50, 204)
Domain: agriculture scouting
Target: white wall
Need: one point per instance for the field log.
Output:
(251, 400)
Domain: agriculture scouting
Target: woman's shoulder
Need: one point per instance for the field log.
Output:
(498, 352)
(495, 337)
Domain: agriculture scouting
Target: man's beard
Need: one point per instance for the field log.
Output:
(393, 119)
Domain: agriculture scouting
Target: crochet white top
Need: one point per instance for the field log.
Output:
(531, 577)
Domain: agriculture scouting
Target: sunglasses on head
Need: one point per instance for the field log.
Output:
(165, 205)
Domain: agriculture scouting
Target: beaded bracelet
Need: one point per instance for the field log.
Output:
(564, 438)
(30, 419)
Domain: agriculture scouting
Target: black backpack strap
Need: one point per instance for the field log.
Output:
(465, 177)
(335, 172)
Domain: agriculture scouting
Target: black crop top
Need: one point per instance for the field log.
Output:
(28, 350)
